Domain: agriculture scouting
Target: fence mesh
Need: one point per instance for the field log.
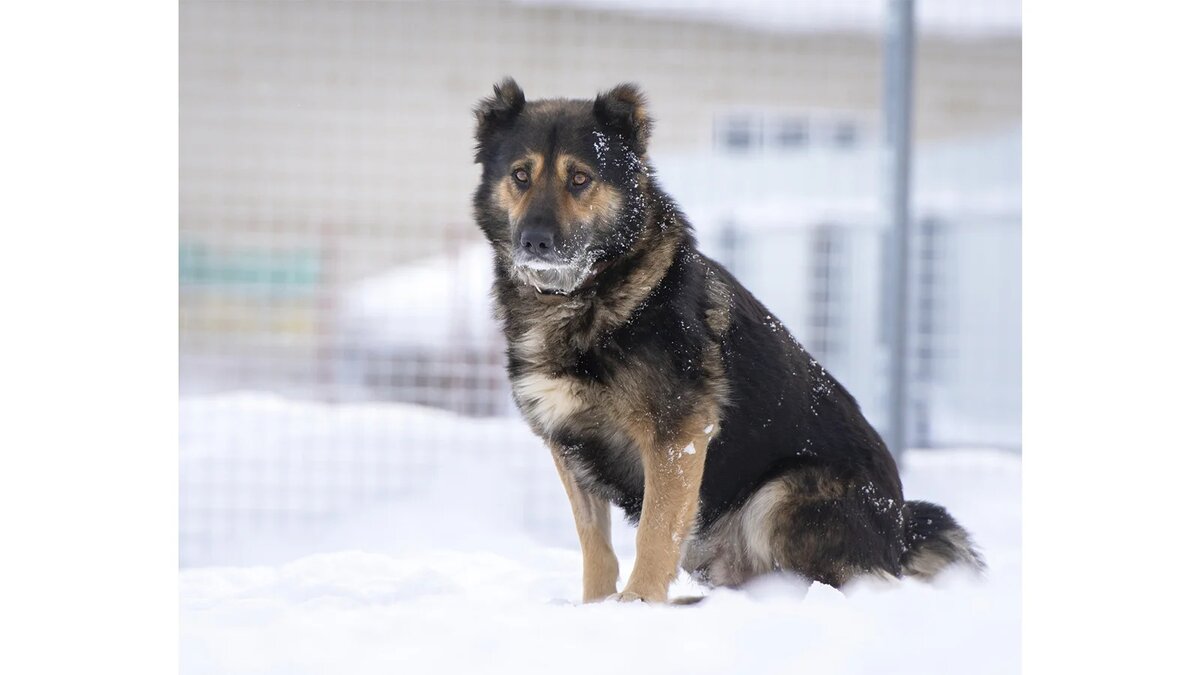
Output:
(336, 337)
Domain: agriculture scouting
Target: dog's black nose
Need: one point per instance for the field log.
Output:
(538, 241)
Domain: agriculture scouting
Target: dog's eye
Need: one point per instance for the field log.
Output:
(579, 179)
(521, 176)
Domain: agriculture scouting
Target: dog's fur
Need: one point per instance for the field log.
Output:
(662, 385)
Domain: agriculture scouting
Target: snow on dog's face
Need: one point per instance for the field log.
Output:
(561, 193)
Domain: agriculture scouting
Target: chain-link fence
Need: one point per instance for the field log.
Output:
(336, 339)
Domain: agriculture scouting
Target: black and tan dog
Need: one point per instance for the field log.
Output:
(662, 385)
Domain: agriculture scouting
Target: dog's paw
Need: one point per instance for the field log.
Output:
(650, 596)
(626, 596)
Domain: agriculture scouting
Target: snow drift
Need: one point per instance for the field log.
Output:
(389, 538)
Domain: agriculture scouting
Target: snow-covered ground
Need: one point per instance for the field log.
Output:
(457, 555)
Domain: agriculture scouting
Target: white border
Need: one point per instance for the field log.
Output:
(1112, 136)
(88, 358)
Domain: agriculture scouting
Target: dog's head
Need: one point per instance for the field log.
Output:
(562, 193)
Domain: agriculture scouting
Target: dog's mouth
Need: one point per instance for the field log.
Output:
(562, 278)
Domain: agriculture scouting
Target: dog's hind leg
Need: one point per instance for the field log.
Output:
(669, 504)
(594, 526)
(833, 531)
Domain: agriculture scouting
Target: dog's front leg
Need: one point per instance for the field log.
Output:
(669, 503)
(594, 526)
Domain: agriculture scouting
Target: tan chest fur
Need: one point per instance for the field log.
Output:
(550, 401)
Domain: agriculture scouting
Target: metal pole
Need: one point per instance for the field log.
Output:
(897, 102)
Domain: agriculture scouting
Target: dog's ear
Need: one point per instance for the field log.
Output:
(499, 110)
(623, 110)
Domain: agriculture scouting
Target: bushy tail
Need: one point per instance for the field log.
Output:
(935, 542)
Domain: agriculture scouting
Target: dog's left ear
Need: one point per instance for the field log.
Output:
(623, 110)
(497, 111)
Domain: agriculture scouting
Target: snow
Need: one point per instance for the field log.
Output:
(473, 567)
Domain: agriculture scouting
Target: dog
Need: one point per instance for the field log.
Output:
(661, 385)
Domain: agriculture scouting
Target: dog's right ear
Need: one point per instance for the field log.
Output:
(498, 111)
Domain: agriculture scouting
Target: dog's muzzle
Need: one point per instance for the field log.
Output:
(562, 279)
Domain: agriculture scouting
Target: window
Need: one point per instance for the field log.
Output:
(791, 133)
(788, 132)
(739, 134)
(845, 134)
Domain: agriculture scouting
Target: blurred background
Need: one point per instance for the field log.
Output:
(337, 348)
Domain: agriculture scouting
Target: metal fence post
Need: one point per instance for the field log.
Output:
(897, 104)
